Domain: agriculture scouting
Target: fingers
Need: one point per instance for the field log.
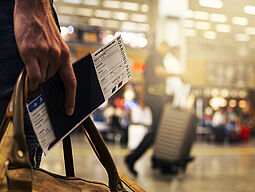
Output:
(42, 55)
(36, 62)
(49, 61)
(34, 73)
(68, 77)
(69, 80)
(40, 70)
(43, 63)
(55, 61)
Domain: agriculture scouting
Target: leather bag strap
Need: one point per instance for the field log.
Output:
(5, 146)
(18, 157)
(98, 145)
(103, 155)
(4, 126)
(68, 156)
(130, 183)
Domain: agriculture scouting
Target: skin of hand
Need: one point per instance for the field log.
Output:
(42, 48)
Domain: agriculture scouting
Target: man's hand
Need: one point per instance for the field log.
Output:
(42, 48)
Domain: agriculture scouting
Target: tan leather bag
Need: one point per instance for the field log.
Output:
(17, 174)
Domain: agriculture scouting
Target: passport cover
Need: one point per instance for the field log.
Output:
(89, 97)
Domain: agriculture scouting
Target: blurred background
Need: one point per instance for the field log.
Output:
(212, 43)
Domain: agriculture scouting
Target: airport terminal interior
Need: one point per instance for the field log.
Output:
(215, 167)
(209, 145)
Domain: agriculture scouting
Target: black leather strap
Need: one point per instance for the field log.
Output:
(68, 156)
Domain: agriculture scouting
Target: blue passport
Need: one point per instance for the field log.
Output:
(89, 97)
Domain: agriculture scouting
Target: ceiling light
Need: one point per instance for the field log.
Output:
(210, 35)
(197, 92)
(112, 24)
(70, 29)
(130, 6)
(233, 93)
(189, 24)
(139, 17)
(242, 94)
(129, 94)
(224, 93)
(249, 9)
(112, 4)
(207, 92)
(91, 2)
(84, 12)
(215, 92)
(250, 30)
(120, 15)
(215, 17)
(201, 15)
(190, 32)
(66, 10)
(103, 14)
(189, 14)
(211, 3)
(232, 103)
(223, 28)
(242, 37)
(65, 18)
(96, 22)
(240, 21)
(143, 27)
(203, 25)
(217, 102)
(145, 8)
(128, 26)
(132, 39)
(72, 1)
(242, 104)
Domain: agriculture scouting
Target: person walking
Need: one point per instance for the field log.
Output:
(155, 77)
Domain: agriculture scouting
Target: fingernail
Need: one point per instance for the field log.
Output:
(69, 111)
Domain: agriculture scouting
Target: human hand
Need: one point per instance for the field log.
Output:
(42, 48)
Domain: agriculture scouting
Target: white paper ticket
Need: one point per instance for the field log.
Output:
(39, 117)
(113, 71)
(112, 66)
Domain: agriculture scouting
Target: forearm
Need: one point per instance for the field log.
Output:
(32, 4)
(32, 8)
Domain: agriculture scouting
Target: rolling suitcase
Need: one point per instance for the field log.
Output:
(174, 139)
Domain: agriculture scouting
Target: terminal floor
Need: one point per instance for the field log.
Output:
(216, 168)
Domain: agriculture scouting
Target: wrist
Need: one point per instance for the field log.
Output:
(31, 5)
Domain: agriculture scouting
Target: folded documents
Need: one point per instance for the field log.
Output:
(98, 76)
